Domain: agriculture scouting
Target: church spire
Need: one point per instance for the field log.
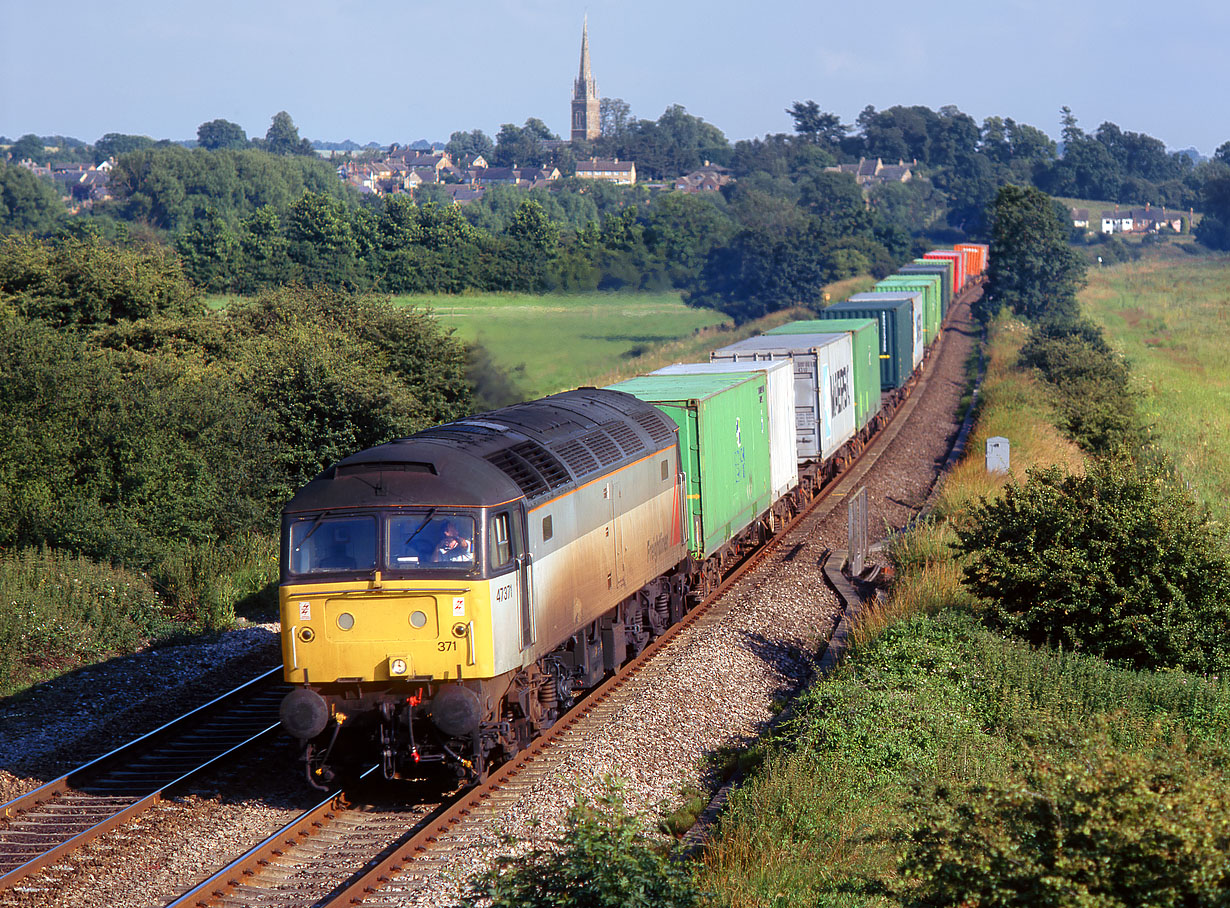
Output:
(585, 103)
(586, 87)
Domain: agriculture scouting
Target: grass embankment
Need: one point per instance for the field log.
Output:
(930, 703)
(1172, 322)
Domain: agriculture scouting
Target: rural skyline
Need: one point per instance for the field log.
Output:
(375, 72)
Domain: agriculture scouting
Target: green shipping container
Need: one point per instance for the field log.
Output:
(929, 285)
(724, 444)
(944, 270)
(895, 325)
(865, 334)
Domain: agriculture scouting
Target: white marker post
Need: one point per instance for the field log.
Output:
(998, 455)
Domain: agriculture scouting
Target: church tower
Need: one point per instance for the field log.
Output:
(585, 111)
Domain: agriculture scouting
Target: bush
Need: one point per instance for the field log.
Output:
(602, 860)
(1115, 561)
(1109, 829)
(1097, 409)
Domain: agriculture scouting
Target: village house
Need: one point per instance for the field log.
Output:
(1141, 220)
(707, 178)
(1080, 218)
(867, 172)
(622, 173)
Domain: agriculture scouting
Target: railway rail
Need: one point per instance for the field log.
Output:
(329, 832)
(43, 825)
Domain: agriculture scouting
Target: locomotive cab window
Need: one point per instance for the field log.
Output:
(500, 548)
(547, 531)
(431, 540)
(331, 545)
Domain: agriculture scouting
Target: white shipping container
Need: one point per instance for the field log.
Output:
(779, 383)
(823, 385)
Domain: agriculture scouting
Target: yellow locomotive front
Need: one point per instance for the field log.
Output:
(415, 605)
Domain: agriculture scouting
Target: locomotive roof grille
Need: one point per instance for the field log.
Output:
(655, 425)
(625, 436)
(545, 462)
(520, 472)
(603, 447)
(534, 469)
(578, 458)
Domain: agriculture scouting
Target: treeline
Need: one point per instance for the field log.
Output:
(145, 431)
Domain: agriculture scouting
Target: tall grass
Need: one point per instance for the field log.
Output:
(1172, 322)
(59, 611)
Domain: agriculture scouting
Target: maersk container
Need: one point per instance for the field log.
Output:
(783, 464)
(823, 385)
(958, 261)
(941, 268)
(930, 287)
(865, 337)
(724, 445)
(899, 318)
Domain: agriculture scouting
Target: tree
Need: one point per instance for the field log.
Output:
(817, 126)
(114, 144)
(27, 203)
(1222, 155)
(521, 146)
(85, 282)
(469, 145)
(1032, 270)
(1214, 228)
(28, 148)
(221, 134)
(283, 137)
(1107, 828)
(615, 115)
(321, 241)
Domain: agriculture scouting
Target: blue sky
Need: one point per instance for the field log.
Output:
(400, 71)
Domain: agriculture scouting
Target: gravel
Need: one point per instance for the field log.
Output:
(717, 686)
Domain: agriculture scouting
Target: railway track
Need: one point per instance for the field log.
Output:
(42, 826)
(280, 870)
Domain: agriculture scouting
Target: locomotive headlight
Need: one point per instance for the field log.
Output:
(345, 621)
(397, 666)
(418, 619)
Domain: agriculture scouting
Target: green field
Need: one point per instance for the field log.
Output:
(1172, 320)
(560, 341)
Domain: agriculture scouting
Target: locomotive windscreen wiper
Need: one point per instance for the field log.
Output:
(419, 528)
(314, 527)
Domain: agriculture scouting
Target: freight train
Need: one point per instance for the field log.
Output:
(445, 597)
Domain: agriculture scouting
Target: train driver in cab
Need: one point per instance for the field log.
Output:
(455, 545)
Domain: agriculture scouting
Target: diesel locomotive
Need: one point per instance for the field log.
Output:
(446, 596)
